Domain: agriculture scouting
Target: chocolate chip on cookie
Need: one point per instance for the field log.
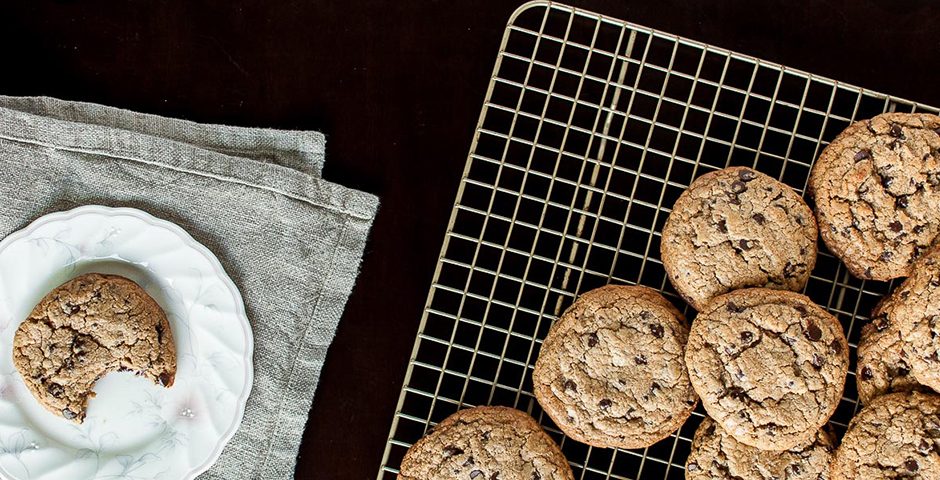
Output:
(896, 436)
(884, 364)
(737, 228)
(611, 371)
(486, 443)
(716, 455)
(877, 193)
(769, 365)
(910, 315)
(84, 329)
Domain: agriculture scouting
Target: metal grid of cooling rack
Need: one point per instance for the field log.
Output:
(590, 130)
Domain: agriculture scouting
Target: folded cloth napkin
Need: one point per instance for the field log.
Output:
(291, 241)
(300, 150)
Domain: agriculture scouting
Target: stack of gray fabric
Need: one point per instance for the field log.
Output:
(291, 241)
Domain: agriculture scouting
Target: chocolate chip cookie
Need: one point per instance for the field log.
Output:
(897, 436)
(877, 193)
(913, 309)
(737, 228)
(883, 363)
(716, 455)
(486, 443)
(611, 371)
(84, 329)
(769, 365)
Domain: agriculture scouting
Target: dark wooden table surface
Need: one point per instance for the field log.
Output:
(397, 88)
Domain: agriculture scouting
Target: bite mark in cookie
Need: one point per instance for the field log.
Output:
(84, 329)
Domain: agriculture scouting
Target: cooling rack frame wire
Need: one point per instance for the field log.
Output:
(590, 129)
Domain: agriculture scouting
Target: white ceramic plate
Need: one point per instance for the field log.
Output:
(134, 428)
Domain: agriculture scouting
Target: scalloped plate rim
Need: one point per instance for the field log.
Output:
(191, 242)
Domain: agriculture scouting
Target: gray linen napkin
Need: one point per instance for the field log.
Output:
(300, 150)
(291, 241)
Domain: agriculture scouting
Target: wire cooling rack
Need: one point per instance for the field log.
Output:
(590, 130)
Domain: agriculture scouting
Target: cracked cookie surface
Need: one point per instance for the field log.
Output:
(716, 455)
(913, 309)
(897, 436)
(883, 365)
(84, 329)
(769, 365)
(611, 372)
(877, 193)
(485, 443)
(737, 228)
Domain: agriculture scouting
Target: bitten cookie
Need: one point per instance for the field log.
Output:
(883, 364)
(84, 329)
(913, 309)
(897, 436)
(769, 365)
(716, 455)
(877, 193)
(738, 228)
(611, 371)
(486, 443)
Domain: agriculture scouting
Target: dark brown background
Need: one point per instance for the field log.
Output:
(397, 88)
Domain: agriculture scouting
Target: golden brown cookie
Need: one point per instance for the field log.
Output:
(84, 329)
(485, 443)
(884, 364)
(716, 455)
(737, 228)
(877, 193)
(612, 372)
(896, 436)
(912, 311)
(769, 365)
